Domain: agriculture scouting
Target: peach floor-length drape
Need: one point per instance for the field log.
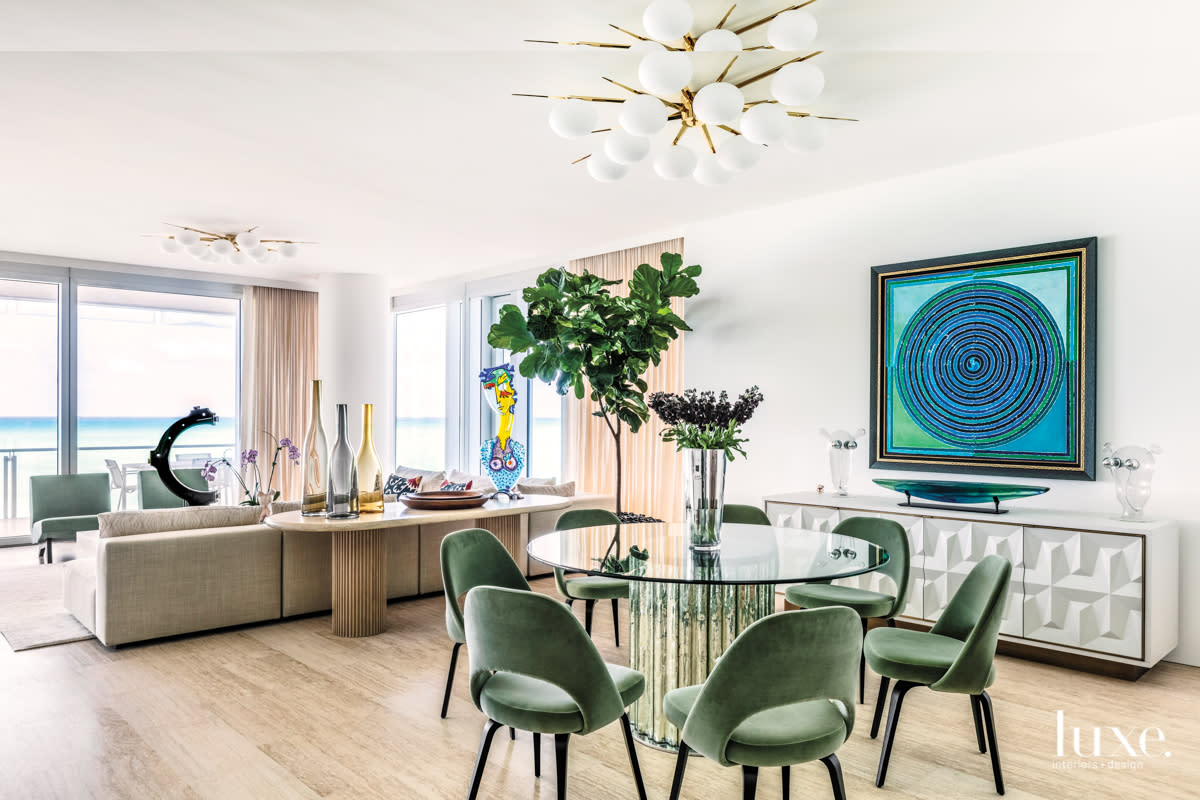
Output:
(279, 361)
(652, 469)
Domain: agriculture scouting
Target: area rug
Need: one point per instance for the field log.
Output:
(31, 608)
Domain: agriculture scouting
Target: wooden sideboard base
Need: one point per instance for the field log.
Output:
(1057, 658)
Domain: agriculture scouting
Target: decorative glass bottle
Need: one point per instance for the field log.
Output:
(316, 461)
(370, 473)
(341, 496)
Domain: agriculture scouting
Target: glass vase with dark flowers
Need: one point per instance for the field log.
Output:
(256, 491)
(707, 428)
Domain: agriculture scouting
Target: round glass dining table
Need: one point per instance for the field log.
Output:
(686, 606)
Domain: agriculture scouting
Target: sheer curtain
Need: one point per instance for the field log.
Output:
(279, 359)
(652, 470)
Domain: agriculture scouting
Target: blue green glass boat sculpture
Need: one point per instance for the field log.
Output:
(959, 492)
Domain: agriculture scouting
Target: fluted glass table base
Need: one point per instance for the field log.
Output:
(677, 631)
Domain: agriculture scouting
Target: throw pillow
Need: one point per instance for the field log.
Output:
(447, 486)
(398, 484)
(480, 483)
(129, 523)
(430, 479)
(560, 490)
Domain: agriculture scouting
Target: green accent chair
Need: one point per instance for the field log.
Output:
(782, 694)
(744, 515)
(62, 505)
(534, 667)
(153, 493)
(956, 655)
(470, 558)
(591, 588)
(891, 537)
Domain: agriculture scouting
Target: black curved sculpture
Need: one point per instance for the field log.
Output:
(160, 457)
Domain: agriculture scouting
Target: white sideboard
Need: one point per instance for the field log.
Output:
(1084, 585)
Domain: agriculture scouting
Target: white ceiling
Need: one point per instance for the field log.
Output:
(387, 132)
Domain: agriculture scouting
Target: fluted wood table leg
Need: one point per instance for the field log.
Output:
(359, 583)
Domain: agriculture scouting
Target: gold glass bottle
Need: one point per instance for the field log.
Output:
(316, 461)
(370, 472)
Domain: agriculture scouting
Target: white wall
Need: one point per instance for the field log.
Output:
(785, 297)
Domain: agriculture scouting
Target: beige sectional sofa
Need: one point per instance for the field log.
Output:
(162, 573)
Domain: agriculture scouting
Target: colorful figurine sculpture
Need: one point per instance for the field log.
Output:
(842, 445)
(503, 457)
(1132, 468)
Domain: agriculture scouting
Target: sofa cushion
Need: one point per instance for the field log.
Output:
(560, 489)
(479, 483)
(129, 523)
(430, 479)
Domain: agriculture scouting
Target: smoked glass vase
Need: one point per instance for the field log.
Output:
(370, 472)
(341, 494)
(316, 461)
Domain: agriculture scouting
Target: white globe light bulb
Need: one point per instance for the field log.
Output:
(804, 134)
(719, 103)
(209, 256)
(764, 123)
(187, 238)
(719, 41)
(289, 250)
(625, 148)
(792, 30)
(222, 247)
(643, 115)
(247, 240)
(667, 20)
(665, 72)
(571, 119)
(236, 258)
(738, 154)
(675, 163)
(258, 252)
(170, 246)
(798, 84)
(197, 250)
(709, 171)
(604, 169)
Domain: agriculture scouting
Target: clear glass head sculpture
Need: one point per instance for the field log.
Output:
(502, 456)
(842, 445)
(1132, 468)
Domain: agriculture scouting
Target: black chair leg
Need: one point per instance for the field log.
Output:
(862, 668)
(42, 554)
(749, 782)
(989, 720)
(561, 740)
(835, 776)
(680, 765)
(485, 743)
(512, 733)
(537, 755)
(978, 723)
(633, 759)
(879, 704)
(616, 624)
(787, 783)
(588, 607)
(889, 737)
(450, 678)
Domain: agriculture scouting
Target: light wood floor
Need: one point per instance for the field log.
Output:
(287, 710)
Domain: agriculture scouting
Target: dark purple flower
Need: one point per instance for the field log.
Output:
(252, 457)
(285, 442)
(294, 453)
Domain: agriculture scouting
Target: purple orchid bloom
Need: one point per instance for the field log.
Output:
(294, 453)
(252, 457)
(285, 442)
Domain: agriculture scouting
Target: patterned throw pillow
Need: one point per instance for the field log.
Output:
(398, 484)
(447, 486)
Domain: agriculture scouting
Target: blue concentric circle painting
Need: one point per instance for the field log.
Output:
(982, 363)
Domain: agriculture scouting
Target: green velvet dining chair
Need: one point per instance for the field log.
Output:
(590, 588)
(956, 655)
(470, 558)
(534, 667)
(888, 535)
(60, 506)
(153, 493)
(744, 515)
(782, 694)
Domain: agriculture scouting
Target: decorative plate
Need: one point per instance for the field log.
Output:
(444, 501)
(961, 491)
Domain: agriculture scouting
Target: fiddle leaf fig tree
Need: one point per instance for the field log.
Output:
(580, 337)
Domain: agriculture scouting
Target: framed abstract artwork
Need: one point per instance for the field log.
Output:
(986, 363)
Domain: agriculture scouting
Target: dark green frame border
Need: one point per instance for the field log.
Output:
(1084, 468)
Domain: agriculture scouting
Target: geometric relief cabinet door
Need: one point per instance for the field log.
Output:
(877, 582)
(809, 518)
(1084, 589)
(953, 547)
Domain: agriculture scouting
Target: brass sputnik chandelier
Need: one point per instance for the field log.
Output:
(733, 130)
(238, 248)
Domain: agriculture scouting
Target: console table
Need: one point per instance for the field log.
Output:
(1088, 591)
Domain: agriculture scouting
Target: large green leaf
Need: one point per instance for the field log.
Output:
(510, 332)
